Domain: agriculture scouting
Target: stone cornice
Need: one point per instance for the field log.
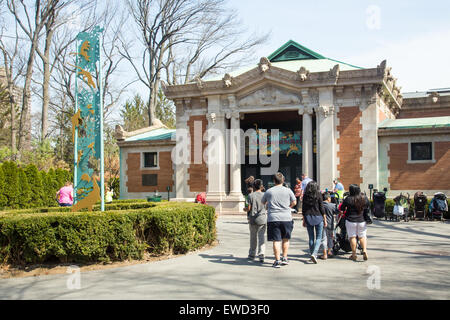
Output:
(412, 131)
(144, 143)
(289, 78)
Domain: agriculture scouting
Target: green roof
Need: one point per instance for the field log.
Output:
(157, 134)
(291, 56)
(291, 50)
(414, 123)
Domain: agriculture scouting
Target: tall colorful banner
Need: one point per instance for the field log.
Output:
(87, 122)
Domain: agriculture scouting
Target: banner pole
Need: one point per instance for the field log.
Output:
(102, 158)
(75, 156)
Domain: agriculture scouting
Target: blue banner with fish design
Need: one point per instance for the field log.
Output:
(87, 122)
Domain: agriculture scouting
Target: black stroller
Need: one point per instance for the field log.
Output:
(379, 201)
(341, 241)
(420, 203)
(438, 206)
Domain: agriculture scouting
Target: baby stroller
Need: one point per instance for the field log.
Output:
(401, 208)
(420, 202)
(379, 200)
(438, 206)
(341, 241)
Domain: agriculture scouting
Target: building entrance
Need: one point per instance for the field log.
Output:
(289, 124)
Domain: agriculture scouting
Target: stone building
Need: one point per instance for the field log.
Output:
(335, 120)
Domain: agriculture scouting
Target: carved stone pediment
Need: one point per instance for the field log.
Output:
(269, 96)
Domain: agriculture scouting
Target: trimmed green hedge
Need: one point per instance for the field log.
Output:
(105, 236)
(97, 207)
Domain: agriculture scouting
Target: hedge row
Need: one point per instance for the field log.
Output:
(29, 188)
(105, 236)
(97, 207)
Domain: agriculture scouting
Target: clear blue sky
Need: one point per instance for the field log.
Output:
(414, 36)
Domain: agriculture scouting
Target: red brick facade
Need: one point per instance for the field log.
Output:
(134, 173)
(419, 176)
(198, 173)
(349, 140)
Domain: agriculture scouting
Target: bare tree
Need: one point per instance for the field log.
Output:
(200, 35)
(13, 66)
(32, 25)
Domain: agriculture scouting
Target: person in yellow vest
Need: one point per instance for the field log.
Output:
(338, 188)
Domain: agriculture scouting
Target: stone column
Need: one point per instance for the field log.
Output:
(369, 146)
(307, 141)
(326, 139)
(215, 152)
(234, 149)
(181, 150)
(236, 199)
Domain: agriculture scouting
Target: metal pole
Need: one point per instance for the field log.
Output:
(75, 156)
(102, 165)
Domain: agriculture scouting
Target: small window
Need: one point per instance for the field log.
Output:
(150, 159)
(421, 151)
(150, 180)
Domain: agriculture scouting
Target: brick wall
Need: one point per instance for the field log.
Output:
(349, 140)
(134, 173)
(198, 173)
(419, 176)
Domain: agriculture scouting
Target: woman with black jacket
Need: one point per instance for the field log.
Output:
(314, 218)
(354, 206)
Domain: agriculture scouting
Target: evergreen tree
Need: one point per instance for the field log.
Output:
(11, 184)
(53, 187)
(35, 182)
(24, 198)
(165, 111)
(3, 199)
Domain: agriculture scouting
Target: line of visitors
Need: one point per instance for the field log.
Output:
(271, 212)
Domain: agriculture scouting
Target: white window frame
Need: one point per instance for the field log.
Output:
(143, 161)
(433, 160)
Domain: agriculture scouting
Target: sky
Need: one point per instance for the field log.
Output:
(413, 36)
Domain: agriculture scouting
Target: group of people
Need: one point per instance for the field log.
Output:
(64, 196)
(271, 212)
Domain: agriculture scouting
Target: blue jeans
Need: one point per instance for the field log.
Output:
(314, 242)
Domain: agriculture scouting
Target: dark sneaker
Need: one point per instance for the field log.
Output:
(261, 259)
(284, 261)
(250, 257)
(277, 264)
(313, 259)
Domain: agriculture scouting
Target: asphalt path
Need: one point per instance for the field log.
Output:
(406, 261)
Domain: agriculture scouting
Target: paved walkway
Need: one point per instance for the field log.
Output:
(413, 260)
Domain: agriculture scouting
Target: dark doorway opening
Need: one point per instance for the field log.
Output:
(289, 124)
